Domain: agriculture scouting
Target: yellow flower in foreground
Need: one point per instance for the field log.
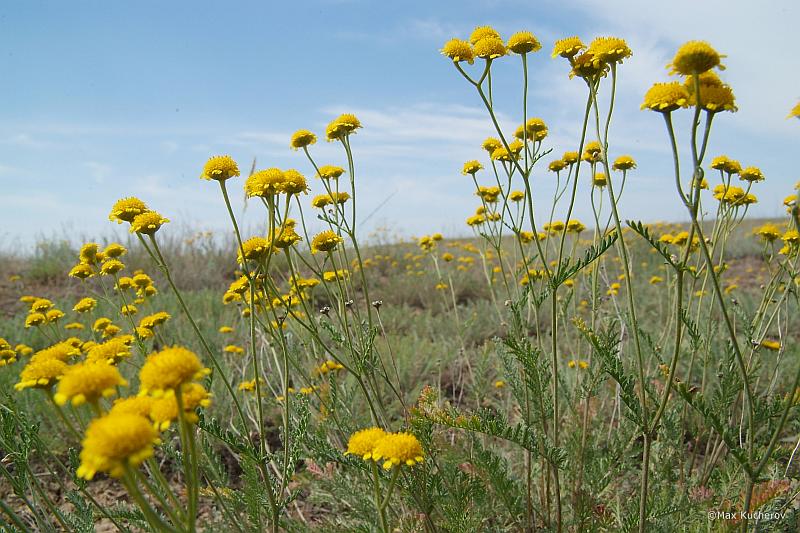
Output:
(220, 168)
(136, 405)
(342, 126)
(41, 373)
(362, 443)
(114, 442)
(624, 162)
(751, 174)
(489, 48)
(398, 449)
(482, 32)
(302, 138)
(325, 241)
(666, 97)
(255, 249)
(328, 172)
(147, 223)
(110, 352)
(568, 47)
(88, 382)
(768, 232)
(114, 250)
(81, 271)
(524, 42)
(35, 319)
(471, 167)
(265, 183)
(170, 368)
(164, 410)
(458, 50)
(610, 49)
(112, 266)
(126, 209)
(695, 57)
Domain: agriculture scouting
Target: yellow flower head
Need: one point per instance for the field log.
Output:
(126, 209)
(342, 126)
(321, 201)
(88, 382)
(795, 112)
(133, 405)
(110, 267)
(164, 410)
(666, 97)
(265, 183)
(220, 168)
(147, 223)
(81, 271)
(491, 144)
(40, 305)
(114, 250)
(471, 167)
(110, 352)
(170, 368)
(54, 315)
(483, 32)
(302, 138)
(489, 48)
(768, 232)
(398, 449)
(156, 319)
(362, 443)
(294, 182)
(35, 319)
(89, 252)
(114, 442)
(568, 47)
(575, 226)
(8, 354)
(588, 66)
(325, 241)
(329, 172)
(695, 57)
(624, 162)
(63, 351)
(41, 373)
(255, 249)
(458, 50)
(516, 196)
(524, 42)
(725, 164)
(570, 158)
(751, 174)
(557, 166)
(610, 49)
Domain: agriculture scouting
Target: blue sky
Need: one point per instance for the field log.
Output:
(102, 100)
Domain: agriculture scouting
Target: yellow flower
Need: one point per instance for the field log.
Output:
(330, 276)
(570, 158)
(768, 232)
(294, 182)
(54, 315)
(666, 97)
(133, 405)
(458, 50)
(40, 305)
(715, 98)
(398, 449)
(170, 368)
(575, 226)
(156, 319)
(655, 280)
(110, 352)
(362, 443)
(624, 162)
(126, 209)
(7, 354)
(695, 57)
(115, 442)
(63, 351)
(557, 166)
(523, 42)
(255, 249)
(265, 183)
(302, 138)
(114, 250)
(164, 410)
(325, 241)
(110, 267)
(321, 201)
(128, 310)
(249, 386)
(499, 384)
(588, 66)
(483, 32)
(610, 49)
(35, 319)
(327, 172)
(491, 144)
(101, 323)
(516, 196)
(147, 223)
(568, 47)
(41, 373)
(795, 112)
(88, 382)
(771, 345)
(489, 48)
(751, 174)
(471, 167)
(220, 168)
(724, 164)
(342, 126)
(600, 180)
(232, 348)
(81, 271)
